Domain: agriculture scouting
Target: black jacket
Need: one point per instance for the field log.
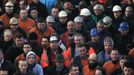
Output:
(8, 66)
(52, 71)
(12, 52)
(124, 43)
(5, 45)
(27, 73)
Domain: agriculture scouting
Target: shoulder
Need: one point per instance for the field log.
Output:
(7, 62)
(131, 52)
(50, 29)
(16, 73)
(64, 34)
(101, 53)
(33, 29)
(3, 15)
(10, 49)
(38, 66)
(30, 20)
(107, 63)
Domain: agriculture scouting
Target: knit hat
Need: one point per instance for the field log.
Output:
(30, 53)
(59, 58)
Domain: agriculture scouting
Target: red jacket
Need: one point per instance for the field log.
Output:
(64, 38)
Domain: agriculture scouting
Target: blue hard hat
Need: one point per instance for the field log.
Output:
(94, 32)
(123, 26)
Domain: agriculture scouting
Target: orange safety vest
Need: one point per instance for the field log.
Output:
(5, 19)
(44, 60)
(67, 55)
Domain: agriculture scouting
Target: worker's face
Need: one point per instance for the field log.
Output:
(63, 20)
(128, 71)
(74, 71)
(9, 9)
(100, 27)
(34, 13)
(55, 12)
(23, 14)
(124, 32)
(19, 41)
(95, 38)
(128, 12)
(108, 46)
(41, 26)
(22, 66)
(31, 59)
(8, 36)
(122, 61)
(45, 42)
(50, 24)
(78, 40)
(70, 26)
(82, 51)
(98, 12)
(78, 26)
(54, 45)
(22, 5)
(114, 55)
(27, 48)
(59, 64)
(117, 14)
(13, 26)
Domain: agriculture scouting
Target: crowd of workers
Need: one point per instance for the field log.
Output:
(66, 37)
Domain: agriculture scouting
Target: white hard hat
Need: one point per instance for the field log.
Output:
(78, 19)
(85, 12)
(107, 20)
(62, 13)
(99, 7)
(50, 19)
(117, 8)
(53, 38)
(13, 20)
(9, 3)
